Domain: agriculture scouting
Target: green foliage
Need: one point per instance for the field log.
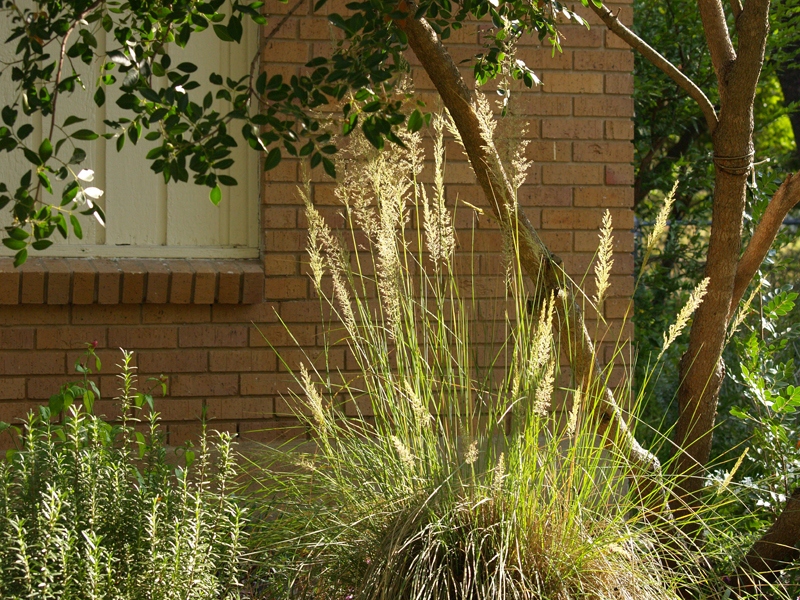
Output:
(279, 117)
(672, 142)
(94, 509)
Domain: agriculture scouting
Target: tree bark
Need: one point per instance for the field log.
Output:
(774, 551)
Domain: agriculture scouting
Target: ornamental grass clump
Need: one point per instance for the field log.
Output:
(95, 509)
(438, 471)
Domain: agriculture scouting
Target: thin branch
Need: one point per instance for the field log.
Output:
(255, 62)
(786, 197)
(62, 53)
(718, 39)
(637, 43)
(736, 7)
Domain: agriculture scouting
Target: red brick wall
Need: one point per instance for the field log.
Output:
(192, 320)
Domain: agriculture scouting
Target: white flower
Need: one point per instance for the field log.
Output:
(93, 192)
(179, 89)
(86, 175)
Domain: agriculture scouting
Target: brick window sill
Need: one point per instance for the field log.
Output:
(130, 281)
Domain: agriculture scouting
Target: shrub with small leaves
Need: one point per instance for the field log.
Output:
(94, 509)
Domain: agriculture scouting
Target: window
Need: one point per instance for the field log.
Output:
(145, 217)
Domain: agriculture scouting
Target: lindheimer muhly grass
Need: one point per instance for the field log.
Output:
(433, 472)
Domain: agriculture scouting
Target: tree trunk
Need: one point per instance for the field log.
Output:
(774, 551)
(701, 366)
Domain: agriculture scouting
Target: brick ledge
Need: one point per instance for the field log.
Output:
(131, 281)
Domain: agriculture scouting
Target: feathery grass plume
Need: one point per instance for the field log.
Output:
(439, 234)
(661, 221)
(729, 477)
(512, 141)
(314, 246)
(314, 400)
(420, 411)
(378, 187)
(741, 315)
(402, 451)
(326, 250)
(350, 188)
(544, 391)
(687, 311)
(485, 116)
(542, 346)
(471, 455)
(498, 475)
(451, 127)
(602, 270)
(574, 415)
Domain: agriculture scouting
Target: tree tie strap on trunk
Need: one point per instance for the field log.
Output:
(727, 164)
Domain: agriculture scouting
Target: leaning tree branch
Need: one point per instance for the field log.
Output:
(637, 43)
(257, 56)
(786, 197)
(537, 260)
(774, 551)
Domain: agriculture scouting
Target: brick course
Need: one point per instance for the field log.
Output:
(208, 325)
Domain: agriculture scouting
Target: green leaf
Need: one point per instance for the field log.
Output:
(187, 67)
(24, 131)
(329, 167)
(41, 244)
(13, 244)
(18, 234)
(20, 257)
(32, 157)
(78, 156)
(415, 121)
(350, 124)
(56, 403)
(100, 97)
(273, 159)
(235, 28)
(739, 413)
(71, 120)
(222, 33)
(76, 227)
(45, 150)
(9, 116)
(215, 196)
(45, 181)
(316, 62)
(85, 134)
(88, 401)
